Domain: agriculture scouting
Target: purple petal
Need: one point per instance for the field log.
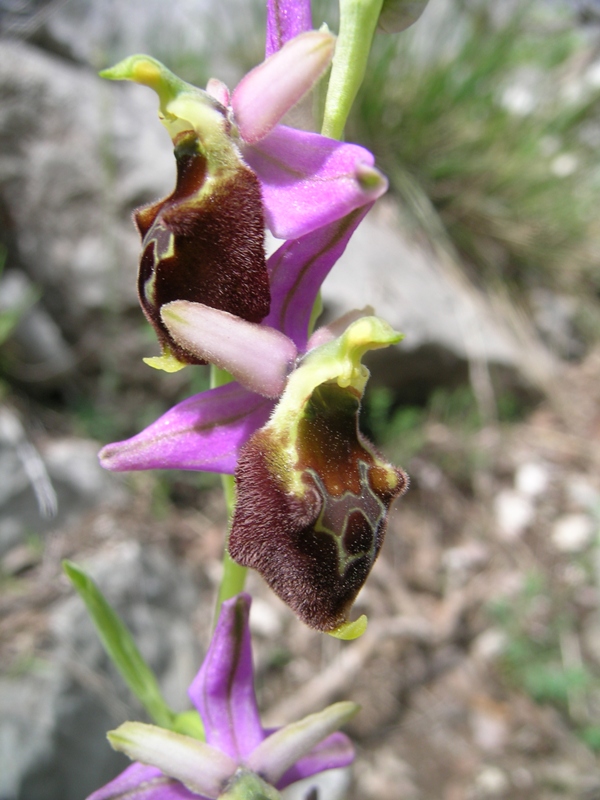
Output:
(257, 356)
(309, 180)
(335, 751)
(268, 92)
(204, 432)
(223, 690)
(286, 19)
(139, 782)
(297, 271)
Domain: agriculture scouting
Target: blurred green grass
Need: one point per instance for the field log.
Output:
(487, 130)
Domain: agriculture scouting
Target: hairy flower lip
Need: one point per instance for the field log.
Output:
(313, 494)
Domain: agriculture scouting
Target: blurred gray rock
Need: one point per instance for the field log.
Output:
(448, 324)
(555, 316)
(187, 34)
(78, 155)
(42, 351)
(55, 715)
(50, 487)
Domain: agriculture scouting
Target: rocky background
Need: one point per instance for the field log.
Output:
(479, 676)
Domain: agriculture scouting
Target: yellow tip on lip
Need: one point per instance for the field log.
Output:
(350, 630)
(167, 362)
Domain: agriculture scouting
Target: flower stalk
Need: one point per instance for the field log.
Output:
(358, 21)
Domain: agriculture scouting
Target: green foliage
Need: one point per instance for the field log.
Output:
(512, 191)
(402, 429)
(536, 623)
(123, 652)
(590, 734)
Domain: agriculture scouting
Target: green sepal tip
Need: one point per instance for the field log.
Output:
(350, 630)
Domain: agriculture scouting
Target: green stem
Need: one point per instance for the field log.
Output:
(358, 20)
(234, 576)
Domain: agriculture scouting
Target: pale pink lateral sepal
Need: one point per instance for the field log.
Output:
(257, 356)
(268, 92)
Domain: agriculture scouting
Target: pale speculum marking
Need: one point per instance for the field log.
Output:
(164, 247)
(336, 512)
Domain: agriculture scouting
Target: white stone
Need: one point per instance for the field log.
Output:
(573, 532)
(564, 165)
(532, 479)
(264, 619)
(491, 782)
(489, 645)
(514, 512)
(581, 493)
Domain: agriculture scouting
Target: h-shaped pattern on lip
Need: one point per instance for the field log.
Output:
(353, 520)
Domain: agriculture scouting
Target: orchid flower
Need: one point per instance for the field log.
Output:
(206, 431)
(239, 759)
(294, 398)
(237, 170)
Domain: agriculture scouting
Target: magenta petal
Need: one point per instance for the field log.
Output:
(286, 19)
(309, 180)
(204, 432)
(139, 782)
(223, 690)
(297, 270)
(335, 751)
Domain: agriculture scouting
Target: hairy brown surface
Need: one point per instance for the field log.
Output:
(206, 249)
(317, 550)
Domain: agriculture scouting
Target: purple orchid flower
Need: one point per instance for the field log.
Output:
(312, 492)
(206, 431)
(291, 394)
(237, 170)
(238, 754)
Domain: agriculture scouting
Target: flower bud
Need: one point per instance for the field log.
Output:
(397, 15)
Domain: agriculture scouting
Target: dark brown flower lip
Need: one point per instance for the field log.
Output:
(203, 244)
(315, 547)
